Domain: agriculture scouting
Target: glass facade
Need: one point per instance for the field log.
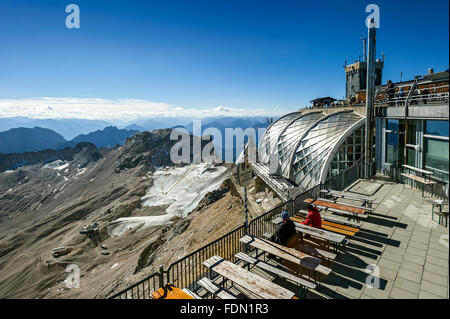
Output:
(435, 153)
(315, 148)
(307, 143)
(436, 149)
(349, 153)
(395, 141)
(269, 141)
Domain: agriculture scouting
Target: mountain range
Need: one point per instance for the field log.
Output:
(21, 134)
(20, 140)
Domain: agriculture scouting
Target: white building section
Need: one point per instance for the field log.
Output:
(310, 147)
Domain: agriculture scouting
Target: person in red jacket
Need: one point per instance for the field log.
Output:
(313, 219)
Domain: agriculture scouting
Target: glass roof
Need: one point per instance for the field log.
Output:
(269, 140)
(304, 142)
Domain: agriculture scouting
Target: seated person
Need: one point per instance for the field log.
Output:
(313, 219)
(284, 231)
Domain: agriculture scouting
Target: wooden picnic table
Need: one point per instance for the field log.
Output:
(366, 209)
(326, 225)
(343, 207)
(339, 208)
(366, 200)
(439, 204)
(336, 228)
(259, 286)
(422, 180)
(286, 253)
(334, 219)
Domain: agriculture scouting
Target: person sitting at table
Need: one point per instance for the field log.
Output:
(285, 230)
(313, 219)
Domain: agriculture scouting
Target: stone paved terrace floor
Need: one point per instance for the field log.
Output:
(410, 250)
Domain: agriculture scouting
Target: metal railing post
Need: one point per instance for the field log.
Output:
(161, 276)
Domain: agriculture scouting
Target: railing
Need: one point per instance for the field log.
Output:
(419, 95)
(439, 189)
(142, 289)
(185, 272)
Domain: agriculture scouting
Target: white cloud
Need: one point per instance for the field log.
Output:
(109, 109)
(221, 108)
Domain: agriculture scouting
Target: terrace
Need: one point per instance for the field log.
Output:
(399, 237)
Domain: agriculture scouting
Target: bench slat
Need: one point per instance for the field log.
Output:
(191, 293)
(346, 204)
(214, 289)
(320, 233)
(334, 219)
(418, 179)
(289, 254)
(343, 207)
(359, 197)
(250, 281)
(317, 251)
(310, 250)
(327, 227)
(281, 273)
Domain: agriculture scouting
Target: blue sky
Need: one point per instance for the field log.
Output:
(201, 57)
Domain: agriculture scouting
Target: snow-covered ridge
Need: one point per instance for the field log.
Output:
(57, 165)
(180, 189)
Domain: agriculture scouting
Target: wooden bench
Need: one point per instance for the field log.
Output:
(169, 291)
(191, 293)
(214, 289)
(257, 285)
(303, 283)
(367, 209)
(336, 239)
(310, 250)
(286, 253)
(340, 229)
(418, 179)
(338, 208)
(300, 219)
(334, 219)
(439, 205)
(366, 200)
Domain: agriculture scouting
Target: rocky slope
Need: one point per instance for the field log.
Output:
(45, 205)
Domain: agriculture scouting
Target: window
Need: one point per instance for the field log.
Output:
(436, 157)
(411, 153)
(411, 132)
(395, 141)
(436, 128)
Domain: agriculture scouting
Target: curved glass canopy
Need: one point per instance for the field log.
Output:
(305, 144)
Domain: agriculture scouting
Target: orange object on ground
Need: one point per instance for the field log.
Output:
(335, 206)
(169, 291)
